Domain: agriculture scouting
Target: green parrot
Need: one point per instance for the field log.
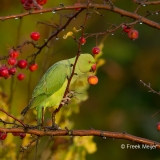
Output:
(51, 88)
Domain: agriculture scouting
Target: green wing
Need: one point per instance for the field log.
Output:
(50, 83)
(52, 80)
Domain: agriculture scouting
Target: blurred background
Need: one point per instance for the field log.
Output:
(119, 102)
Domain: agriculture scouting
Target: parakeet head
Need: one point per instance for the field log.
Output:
(86, 63)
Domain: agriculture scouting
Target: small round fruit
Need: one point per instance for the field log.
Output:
(22, 135)
(28, 5)
(4, 72)
(158, 126)
(126, 28)
(93, 80)
(22, 63)
(12, 71)
(13, 53)
(41, 2)
(77, 4)
(8, 76)
(33, 67)
(82, 40)
(20, 76)
(23, 1)
(3, 135)
(12, 61)
(35, 36)
(16, 133)
(95, 50)
(133, 34)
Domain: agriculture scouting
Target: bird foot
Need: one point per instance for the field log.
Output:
(68, 97)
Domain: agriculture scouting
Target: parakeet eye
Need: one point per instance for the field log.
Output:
(89, 61)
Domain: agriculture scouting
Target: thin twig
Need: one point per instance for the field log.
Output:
(73, 70)
(24, 149)
(8, 114)
(155, 113)
(13, 123)
(149, 87)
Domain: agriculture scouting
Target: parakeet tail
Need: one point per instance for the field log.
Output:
(25, 110)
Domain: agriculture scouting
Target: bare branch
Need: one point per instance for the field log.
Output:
(8, 114)
(150, 88)
(91, 132)
(92, 5)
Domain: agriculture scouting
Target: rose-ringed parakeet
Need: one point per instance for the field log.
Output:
(51, 88)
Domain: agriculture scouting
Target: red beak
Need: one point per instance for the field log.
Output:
(93, 68)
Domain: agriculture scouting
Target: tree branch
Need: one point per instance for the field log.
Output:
(91, 132)
(92, 6)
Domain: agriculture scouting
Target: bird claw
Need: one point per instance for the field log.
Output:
(68, 97)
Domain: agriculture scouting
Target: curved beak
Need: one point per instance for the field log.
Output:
(93, 68)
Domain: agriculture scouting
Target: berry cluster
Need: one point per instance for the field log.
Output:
(29, 4)
(132, 33)
(22, 135)
(6, 71)
(4, 135)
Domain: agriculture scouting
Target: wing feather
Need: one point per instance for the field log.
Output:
(52, 80)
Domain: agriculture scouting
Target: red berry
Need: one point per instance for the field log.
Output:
(22, 63)
(13, 53)
(41, 2)
(3, 135)
(133, 34)
(95, 50)
(22, 135)
(126, 28)
(158, 126)
(12, 61)
(35, 36)
(93, 80)
(82, 40)
(28, 5)
(77, 4)
(30, 1)
(12, 71)
(4, 72)
(33, 67)
(23, 1)
(16, 133)
(8, 76)
(21, 76)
